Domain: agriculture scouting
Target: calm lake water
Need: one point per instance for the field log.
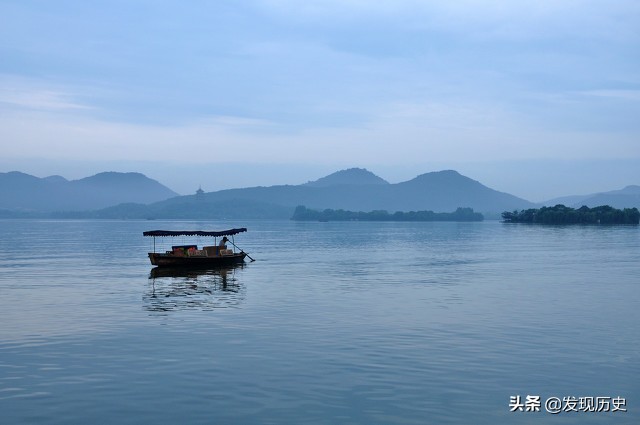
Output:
(334, 323)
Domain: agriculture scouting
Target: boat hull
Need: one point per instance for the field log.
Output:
(168, 260)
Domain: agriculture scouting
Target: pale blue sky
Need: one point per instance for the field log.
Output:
(234, 93)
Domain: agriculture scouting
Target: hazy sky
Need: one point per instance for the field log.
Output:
(538, 98)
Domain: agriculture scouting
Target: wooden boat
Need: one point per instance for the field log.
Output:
(190, 256)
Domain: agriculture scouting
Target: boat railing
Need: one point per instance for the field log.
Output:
(193, 251)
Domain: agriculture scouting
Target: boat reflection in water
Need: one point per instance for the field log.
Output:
(175, 289)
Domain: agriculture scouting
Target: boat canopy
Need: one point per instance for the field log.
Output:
(172, 233)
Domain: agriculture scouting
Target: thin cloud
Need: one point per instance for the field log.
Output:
(24, 95)
(385, 82)
(525, 19)
(238, 122)
(632, 95)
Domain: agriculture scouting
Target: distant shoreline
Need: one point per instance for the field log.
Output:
(303, 213)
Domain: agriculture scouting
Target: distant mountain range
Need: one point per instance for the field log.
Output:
(623, 198)
(132, 195)
(23, 193)
(353, 189)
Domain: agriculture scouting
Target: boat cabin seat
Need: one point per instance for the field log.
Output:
(212, 251)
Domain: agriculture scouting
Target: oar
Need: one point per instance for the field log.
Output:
(240, 250)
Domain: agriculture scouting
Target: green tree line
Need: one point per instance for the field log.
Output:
(303, 213)
(561, 214)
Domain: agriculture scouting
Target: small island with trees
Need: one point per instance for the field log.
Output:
(303, 213)
(561, 214)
